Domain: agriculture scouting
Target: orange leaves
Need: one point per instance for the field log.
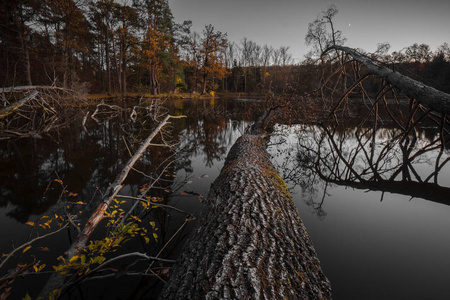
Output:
(38, 269)
(46, 224)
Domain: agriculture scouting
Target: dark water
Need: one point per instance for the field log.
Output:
(396, 248)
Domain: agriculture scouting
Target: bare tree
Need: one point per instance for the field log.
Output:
(276, 57)
(247, 48)
(266, 56)
(318, 35)
(444, 50)
(382, 52)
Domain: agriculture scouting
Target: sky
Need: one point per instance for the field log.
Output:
(364, 23)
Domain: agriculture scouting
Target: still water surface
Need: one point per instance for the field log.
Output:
(396, 248)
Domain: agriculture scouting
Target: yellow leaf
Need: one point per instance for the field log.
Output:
(26, 249)
(155, 236)
(80, 202)
(153, 224)
(62, 258)
(47, 224)
(147, 240)
(54, 294)
(57, 268)
(27, 297)
(136, 218)
(30, 223)
(73, 194)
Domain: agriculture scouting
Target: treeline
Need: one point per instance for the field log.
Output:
(114, 47)
(117, 46)
(419, 62)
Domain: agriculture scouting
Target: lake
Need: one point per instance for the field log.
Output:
(374, 239)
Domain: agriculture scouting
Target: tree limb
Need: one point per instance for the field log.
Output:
(425, 95)
(57, 279)
(10, 109)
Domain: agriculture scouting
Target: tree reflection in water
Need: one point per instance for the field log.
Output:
(87, 159)
(407, 154)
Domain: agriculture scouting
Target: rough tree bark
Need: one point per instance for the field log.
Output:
(251, 244)
(425, 95)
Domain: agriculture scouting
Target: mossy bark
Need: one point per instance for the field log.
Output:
(251, 244)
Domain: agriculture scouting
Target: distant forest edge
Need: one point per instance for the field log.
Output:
(111, 47)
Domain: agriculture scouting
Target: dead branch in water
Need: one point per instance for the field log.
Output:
(34, 109)
(57, 279)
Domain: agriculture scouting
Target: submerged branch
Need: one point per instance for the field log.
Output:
(57, 279)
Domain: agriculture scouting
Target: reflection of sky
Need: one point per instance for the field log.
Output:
(12, 232)
(394, 249)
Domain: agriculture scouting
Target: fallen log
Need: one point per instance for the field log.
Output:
(16, 105)
(424, 94)
(251, 244)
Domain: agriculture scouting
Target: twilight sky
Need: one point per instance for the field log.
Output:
(285, 22)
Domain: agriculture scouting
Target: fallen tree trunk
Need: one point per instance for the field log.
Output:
(16, 105)
(425, 95)
(251, 244)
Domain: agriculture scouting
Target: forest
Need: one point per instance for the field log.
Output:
(118, 47)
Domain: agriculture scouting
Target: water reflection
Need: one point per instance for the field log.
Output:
(339, 172)
(394, 150)
(85, 160)
(318, 162)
